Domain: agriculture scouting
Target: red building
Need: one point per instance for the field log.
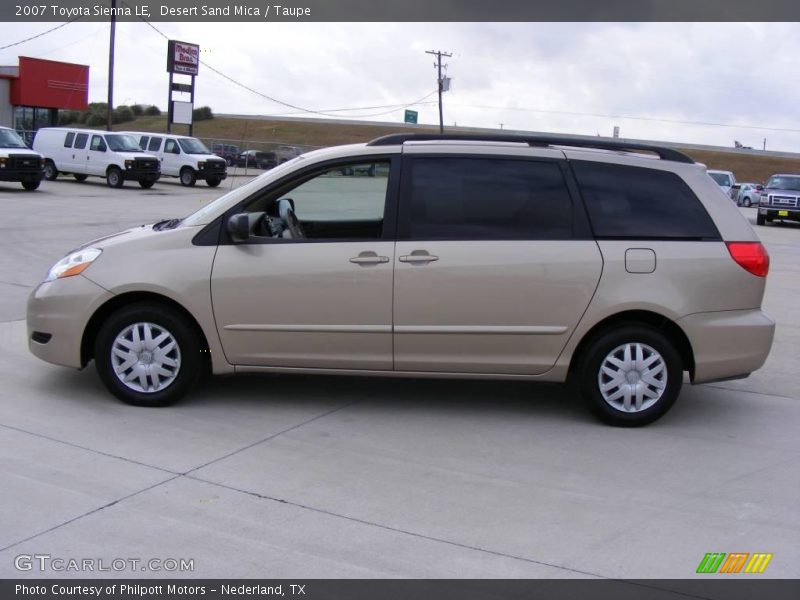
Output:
(32, 93)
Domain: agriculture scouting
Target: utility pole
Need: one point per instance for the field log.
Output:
(765, 144)
(439, 54)
(111, 64)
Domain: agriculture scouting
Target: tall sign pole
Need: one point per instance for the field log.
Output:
(439, 54)
(111, 64)
(183, 58)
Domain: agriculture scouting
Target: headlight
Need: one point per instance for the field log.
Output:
(201, 165)
(128, 164)
(73, 264)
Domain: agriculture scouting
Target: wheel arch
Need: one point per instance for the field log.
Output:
(103, 311)
(663, 324)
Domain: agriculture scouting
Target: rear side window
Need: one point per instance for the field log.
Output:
(68, 139)
(155, 144)
(465, 198)
(80, 141)
(637, 203)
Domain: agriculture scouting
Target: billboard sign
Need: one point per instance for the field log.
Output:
(182, 57)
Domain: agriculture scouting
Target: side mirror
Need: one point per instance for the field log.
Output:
(239, 227)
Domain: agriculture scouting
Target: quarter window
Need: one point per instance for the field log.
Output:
(68, 139)
(485, 199)
(638, 203)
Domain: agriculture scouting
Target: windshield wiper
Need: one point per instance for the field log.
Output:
(166, 224)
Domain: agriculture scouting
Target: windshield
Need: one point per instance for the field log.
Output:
(784, 183)
(199, 217)
(721, 178)
(10, 139)
(122, 143)
(193, 146)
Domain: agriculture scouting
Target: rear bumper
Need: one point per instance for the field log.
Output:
(728, 344)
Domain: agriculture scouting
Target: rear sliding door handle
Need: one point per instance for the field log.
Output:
(369, 258)
(418, 256)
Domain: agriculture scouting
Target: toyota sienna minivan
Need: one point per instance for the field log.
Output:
(618, 266)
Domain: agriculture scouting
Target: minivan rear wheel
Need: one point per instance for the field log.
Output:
(630, 376)
(148, 354)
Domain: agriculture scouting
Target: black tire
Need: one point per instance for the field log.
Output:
(229, 162)
(747, 202)
(50, 171)
(114, 177)
(80, 178)
(213, 181)
(31, 184)
(146, 183)
(590, 377)
(188, 177)
(760, 220)
(187, 339)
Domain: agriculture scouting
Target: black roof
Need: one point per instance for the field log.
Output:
(536, 140)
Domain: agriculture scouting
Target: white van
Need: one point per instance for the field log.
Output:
(184, 157)
(84, 152)
(18, 162)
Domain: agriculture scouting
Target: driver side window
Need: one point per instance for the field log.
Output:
(343, 202)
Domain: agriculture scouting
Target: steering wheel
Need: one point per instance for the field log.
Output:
(286, 213)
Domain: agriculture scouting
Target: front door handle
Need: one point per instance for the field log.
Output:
(369, 258)
(418, 257)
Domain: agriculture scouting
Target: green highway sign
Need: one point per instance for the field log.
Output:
(410, 116)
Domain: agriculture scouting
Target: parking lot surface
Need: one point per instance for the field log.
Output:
(317, 477)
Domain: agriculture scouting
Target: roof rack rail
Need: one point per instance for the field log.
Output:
(535, 140)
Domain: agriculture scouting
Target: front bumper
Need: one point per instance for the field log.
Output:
(728, 344)
(213, 172)
(58, 312)
(134, 174)
(12, 174)
(776, 212)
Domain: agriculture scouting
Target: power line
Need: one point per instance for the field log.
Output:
(300, 109)
(610, 116)
(38, 35)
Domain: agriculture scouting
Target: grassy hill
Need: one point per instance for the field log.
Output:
(262, 134)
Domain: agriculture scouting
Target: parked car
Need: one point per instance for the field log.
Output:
(257, 159)
(724, 179)
(18, 162)
(83, 152)
(748, 194)
(186, 158)
(286, 153)
(228, 152)
(780, 200)
(530, 258)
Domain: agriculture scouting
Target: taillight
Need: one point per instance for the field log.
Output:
(751, 256)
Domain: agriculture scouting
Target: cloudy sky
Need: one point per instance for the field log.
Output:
(699, 82)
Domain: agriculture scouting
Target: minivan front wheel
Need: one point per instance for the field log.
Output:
(114, 178)
(148, 354)
(188, 177)
(630, 376)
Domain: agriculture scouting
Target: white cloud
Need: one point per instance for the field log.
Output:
(734, 73)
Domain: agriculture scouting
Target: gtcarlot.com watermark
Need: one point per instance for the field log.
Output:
(46, 563)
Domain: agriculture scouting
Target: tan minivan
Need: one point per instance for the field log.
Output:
(620, 266)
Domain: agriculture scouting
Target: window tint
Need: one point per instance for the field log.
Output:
(638, 203)
(80, 141)
(97, 144)
(68, 139)
(485, 199)
(155, 144)
(143, 142)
